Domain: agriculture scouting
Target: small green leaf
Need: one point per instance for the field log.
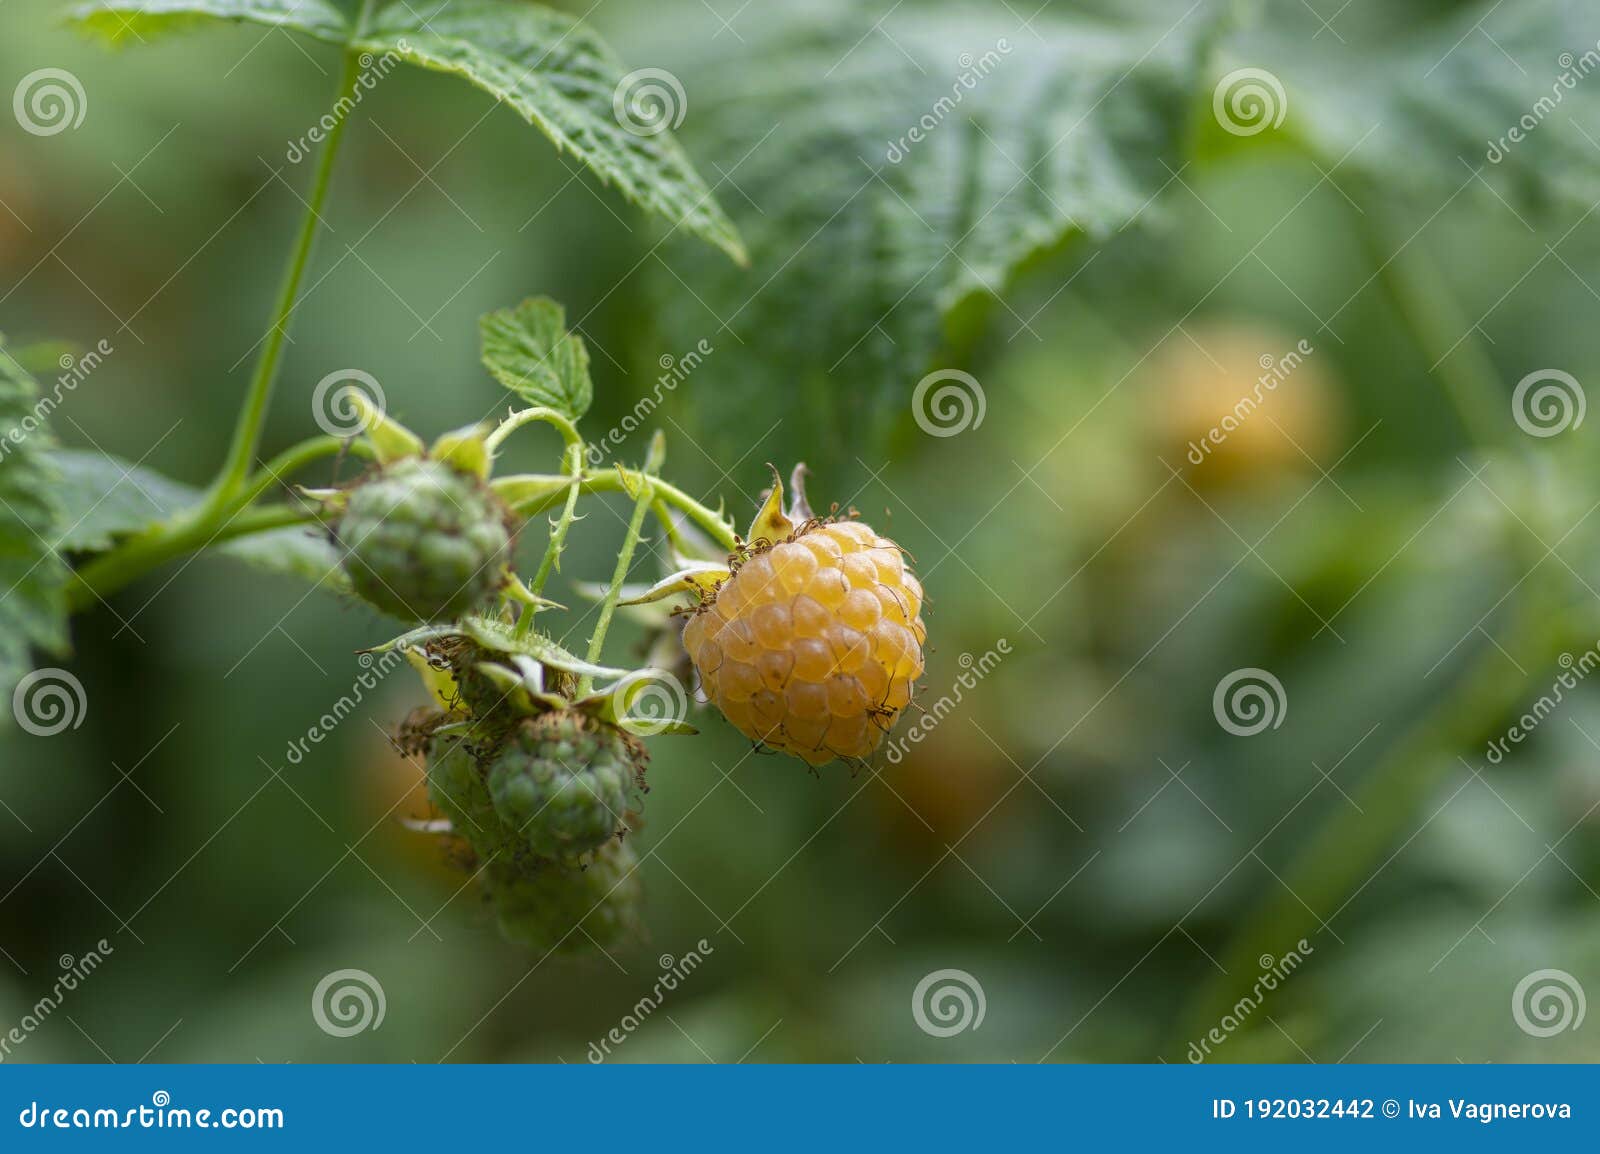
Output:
(302, 551)
(104, 497)
(33, 611)
(530, 352)
(563, 78)
(117, 20)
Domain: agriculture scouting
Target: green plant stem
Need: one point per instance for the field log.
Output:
(247, 429)
(641, 506)
(1443, 335)
(568, 431)
(139, 554)
(610, 481)
(558, 537)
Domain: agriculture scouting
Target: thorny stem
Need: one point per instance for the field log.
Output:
(611, 481)
(558, 537)
(568, 431)
(647, 497)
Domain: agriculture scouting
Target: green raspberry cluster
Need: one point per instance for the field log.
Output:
(542, 806)
(424, 541)
(563, 782)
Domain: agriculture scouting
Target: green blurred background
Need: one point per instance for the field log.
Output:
(1081, 836)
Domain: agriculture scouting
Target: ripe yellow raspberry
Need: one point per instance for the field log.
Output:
(814, 642)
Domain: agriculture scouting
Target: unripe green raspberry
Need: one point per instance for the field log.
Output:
(556, 907)
(425, 542)
(562, 781)
(456, 786)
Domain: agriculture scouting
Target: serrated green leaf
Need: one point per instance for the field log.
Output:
(118, 20)
(104, 497)
(33, 611)
(294, 551)
(899, 171)
(1437, 99)
(530, 352)
(561, 77)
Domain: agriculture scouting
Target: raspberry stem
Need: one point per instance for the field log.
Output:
(647, 496)
(558, 535)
